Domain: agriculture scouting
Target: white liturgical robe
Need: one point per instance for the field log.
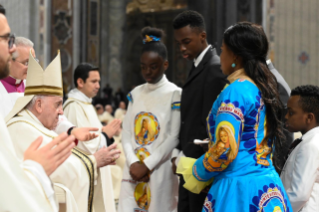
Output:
(80, 112)
(74, 173)
(24, 185)
(300, 175)
(150, 134)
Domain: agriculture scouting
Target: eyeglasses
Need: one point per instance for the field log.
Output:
(27, 62)
(10, 38)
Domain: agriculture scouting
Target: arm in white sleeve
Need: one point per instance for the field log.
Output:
(303, 176)
(164, 150)
(63, 125)
(175, 153)
(38, 172)
(127, 138)
(76, 116)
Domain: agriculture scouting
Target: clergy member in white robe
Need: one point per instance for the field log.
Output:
(150, 134)
(300, 175)
(12, 87)
(79, 111)
(79, 173)
(25, 185)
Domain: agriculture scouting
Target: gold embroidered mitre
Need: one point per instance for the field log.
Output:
(47, 82)
(39, 82)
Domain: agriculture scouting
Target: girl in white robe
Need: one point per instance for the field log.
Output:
(150, 134)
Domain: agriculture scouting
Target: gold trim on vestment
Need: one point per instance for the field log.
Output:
(88, 163)
(43, 90)
(71, 100)
(8, 125)
(84, 158)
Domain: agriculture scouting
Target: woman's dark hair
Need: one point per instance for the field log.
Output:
(154, 46)
(249, 41)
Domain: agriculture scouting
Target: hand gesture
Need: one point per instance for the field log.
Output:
(53, 154)
(112, 128)
(107, 156)
(138, 171)
(84, 133)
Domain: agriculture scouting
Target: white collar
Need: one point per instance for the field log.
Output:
(268, 62)
(158, 84)
(310, 134)
(201, 55)
(17, 80)
(76, 94)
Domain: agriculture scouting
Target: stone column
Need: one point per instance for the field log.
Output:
(112, 25)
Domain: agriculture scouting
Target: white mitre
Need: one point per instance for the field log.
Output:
(39, 82)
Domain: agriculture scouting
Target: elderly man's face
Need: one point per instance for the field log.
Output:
(50, 109)
(18, 68)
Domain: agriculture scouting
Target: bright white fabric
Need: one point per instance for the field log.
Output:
(300, 175)
(72, 173)
(80, 112)
(20, 189)
(156, 99)
(201, 56)
(64, 195)
(8, 99)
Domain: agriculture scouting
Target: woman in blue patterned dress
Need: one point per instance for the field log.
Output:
(244, 127)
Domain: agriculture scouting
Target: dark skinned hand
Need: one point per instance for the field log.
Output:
(138, 170)
(173, 165)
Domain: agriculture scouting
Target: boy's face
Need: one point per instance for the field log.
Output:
(191, 42)
(295, 117)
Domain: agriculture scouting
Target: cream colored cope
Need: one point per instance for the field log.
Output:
(82, 179)
(80, 112)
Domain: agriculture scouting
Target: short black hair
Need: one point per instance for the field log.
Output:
(82, 71)
(309, 98)
(154, 46)
(2, 10)
(191, 18)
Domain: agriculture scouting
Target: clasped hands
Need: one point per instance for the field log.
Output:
(140, 172)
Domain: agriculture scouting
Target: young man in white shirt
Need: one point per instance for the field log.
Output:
(300, 175)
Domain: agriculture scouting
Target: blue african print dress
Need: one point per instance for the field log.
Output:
(238, 157)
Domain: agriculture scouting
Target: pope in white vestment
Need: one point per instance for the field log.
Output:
(78, 175)
(150, 134)
(72, 173)
(79, 111)
(21, 189)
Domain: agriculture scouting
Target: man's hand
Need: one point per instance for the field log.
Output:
(174, 167)
(52, 155)
(138, 171)
(205, 146)
(112, 128)
(107, 156)
(84, 133)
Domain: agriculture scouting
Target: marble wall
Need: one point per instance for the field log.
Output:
(293, 31)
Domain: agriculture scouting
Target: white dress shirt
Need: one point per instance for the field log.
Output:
(300, 175)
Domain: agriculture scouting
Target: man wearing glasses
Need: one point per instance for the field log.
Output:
(25, 185)
(12, 87)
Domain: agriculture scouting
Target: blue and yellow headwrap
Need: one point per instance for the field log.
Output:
(150, 38)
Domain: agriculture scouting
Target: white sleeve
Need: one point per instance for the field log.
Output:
(63, 125)
(304, 175)
(164, 150)
(76, 116)
(37, 170)
(127, 138)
